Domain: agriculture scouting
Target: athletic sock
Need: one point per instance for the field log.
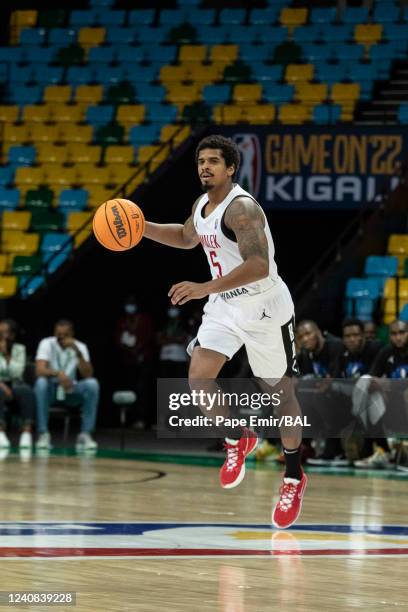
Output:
(292, 460)
(231, 441)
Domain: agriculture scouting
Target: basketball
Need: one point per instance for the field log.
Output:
(119, 224)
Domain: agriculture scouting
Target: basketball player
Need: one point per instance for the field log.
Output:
(248, 304)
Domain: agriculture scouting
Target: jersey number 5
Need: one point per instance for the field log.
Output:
(215, 264)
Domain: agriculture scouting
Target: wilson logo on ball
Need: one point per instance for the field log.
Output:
(118, 223)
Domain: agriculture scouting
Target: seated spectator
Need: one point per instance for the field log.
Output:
(12, 386)
(370, 330)
(59, 359)
(173, 341)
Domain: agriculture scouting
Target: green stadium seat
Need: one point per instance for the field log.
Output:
(39, 198)
(238, 72)
(110, 134)
(26, 265)
(73, 54)
(123, 93)
(54, 18)
(46, 221)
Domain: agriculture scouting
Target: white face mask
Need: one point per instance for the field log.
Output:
(173, 313)
(130, 308)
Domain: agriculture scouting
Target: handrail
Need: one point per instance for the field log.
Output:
(120, 191)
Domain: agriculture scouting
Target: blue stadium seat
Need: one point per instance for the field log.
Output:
(216, 94)
(213, 35)
(83, 18)
(255, 53)
(312, 52)
(28, 286)
(108, 17)
(309, 33)
(142, 74)
(349, 52)
(101, 3)
(53, 262)
(363, 292)
(120, 36)
(61, 37)
(132, 55)
(403, 113)
(147, 93)
(272, 34)
(11, 55)
(384, 265)
(278, 94)
(365, 74)
(9, 198)
(323, 15)
(42, 55)
(54, 242)
(396, 31)
(265, 16)
(404, 314)
(330, 73)
(21, 74)
(201, 17)
(101, 54)
(386, 13)
(386, 51)
(100, 114)
(32, 36)
(189, 3)
(232, 16)
(326, 114)
(153, 35)
(139, 17)
(243, 35)
(79, 75)
(109, 74)
(21, 155)
(162, 53)
(73, 199)
(354, 15)
(172, 17)
(162, 113)
(337, 33)
(144, 134)
(51, 75)
(26, 94)
(6, 175)
(266, 72)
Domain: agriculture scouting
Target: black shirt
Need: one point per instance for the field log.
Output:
(354, 365)
(391, 362)
(321, 364)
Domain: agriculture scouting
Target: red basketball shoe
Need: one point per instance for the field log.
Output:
(290, 502)
(233, 470)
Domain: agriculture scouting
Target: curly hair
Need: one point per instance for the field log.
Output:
(228, 148)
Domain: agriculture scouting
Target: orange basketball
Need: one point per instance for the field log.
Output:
(118, 224)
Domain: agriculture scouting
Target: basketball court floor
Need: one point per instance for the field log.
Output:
(160, 534)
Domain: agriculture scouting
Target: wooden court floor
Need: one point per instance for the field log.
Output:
(154, 536)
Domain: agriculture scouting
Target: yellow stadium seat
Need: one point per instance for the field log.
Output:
(98, 194)
(173, 73)
(147, 152)
(32, 176)
(368, 33)
(38, 133)
(8, 286)
(60, 175)
(91, 173)
(192, 53)
(57, 93)
(130, 114)
(67, 113)
(79, 152)
(20, 20)
(224, 53)
(117, 154)
(228, 114)
(70, 132)
(247, 94)
(48, 153)
(345, 93)
(15, 133)
(76, 220)
(298, 73)
(179, 133)
(21, 243)
(183, 94)
(3, 263)
(91, 37)
(260, 114)
(89, 94)
(390, 288)
(16, 220)
(311, 94)
(120, 174)
(36, 113)
(9, 113)
(293, 114)
(398, 244)
(293, 16)
(205, 74)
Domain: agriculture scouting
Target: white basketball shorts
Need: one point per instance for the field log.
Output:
(264, 324)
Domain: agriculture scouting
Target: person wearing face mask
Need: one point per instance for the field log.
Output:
(173, 341)
(134, 352)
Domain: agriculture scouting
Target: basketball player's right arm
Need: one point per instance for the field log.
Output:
(174, 234)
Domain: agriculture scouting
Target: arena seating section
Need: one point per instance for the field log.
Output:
(89, 99)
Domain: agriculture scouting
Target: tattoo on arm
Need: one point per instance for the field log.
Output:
(245, 218)
(189, 232)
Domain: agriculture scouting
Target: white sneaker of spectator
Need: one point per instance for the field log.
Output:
(85, 442)
(26, 440)
(4, 441)
(378, 460)
(44, 441)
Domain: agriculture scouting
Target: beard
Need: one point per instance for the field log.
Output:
(205, 187)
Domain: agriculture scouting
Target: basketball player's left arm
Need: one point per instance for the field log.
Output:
(245, 218)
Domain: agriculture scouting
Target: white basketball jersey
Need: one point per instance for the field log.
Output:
(222, 250)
